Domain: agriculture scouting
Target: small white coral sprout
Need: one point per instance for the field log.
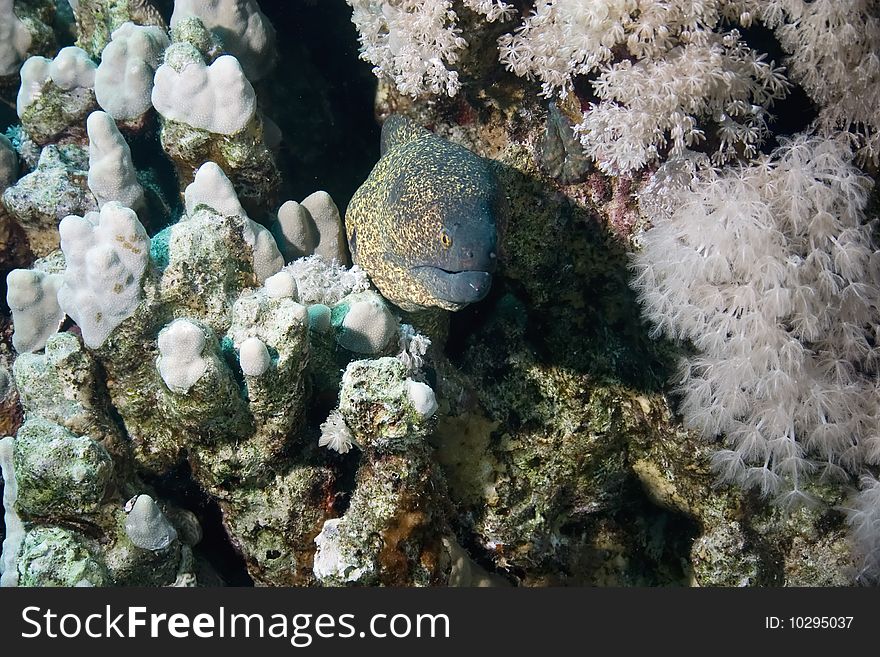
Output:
(335, 433)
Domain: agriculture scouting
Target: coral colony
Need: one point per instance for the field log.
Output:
(605, 311)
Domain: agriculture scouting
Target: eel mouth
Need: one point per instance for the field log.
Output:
(454, 286)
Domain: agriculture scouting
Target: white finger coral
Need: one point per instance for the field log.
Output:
(180, 362)
(295, 231)
(313, 227)
(71, 69)
(32, 296)
(147, 527)
(253, 356)
(14, 526)
(281, 285)
(106, 257)
(124, 78)
(112, 176)
(15, 39)
(211, 187)
(364, 323)
(217, 98)
(422, 398)
(244, 30)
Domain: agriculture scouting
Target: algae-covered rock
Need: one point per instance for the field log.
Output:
(97, 19)
(740, 539)
(275, 524)
(57, 188)
(392, 531)
(58, 473)
(62, 385)
(55, 556)
(378, 404)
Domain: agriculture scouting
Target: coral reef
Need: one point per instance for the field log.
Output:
(560, 299)
(609, 251)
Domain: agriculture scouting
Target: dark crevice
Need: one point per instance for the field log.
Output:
(321, 96)
(179, 488)
(795, 112)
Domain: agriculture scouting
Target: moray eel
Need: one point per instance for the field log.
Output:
(423, 223)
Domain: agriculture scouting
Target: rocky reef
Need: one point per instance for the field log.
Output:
(456, 369)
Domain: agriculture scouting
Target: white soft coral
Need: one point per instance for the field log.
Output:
(666, 71)
(335, 433)
(833, 47)
(416, 43)
(565, 38)
(864, 521)
(771, 272)
(656, 103)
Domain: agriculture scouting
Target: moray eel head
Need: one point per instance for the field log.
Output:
(423, 224)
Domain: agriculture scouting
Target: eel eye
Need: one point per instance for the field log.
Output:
(446, 239)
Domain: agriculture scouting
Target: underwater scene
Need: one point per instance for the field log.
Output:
(440, 293)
